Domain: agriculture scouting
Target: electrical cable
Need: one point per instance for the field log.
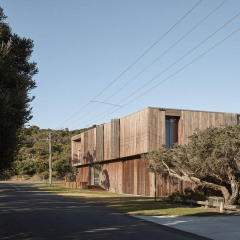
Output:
(148, 82)
(127, 69)
(166, 79)
(197, 46)
(172, 46)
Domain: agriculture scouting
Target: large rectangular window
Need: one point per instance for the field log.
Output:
(96, 174)
(171, 129)
(95, 171)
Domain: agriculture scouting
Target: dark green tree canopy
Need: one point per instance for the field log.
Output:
(210, 159)
(16, 81)
(33, 155)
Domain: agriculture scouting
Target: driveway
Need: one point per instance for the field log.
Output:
(218, 228)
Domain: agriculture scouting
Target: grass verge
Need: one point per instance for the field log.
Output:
(128, 203)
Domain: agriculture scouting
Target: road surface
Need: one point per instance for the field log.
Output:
(27, 213)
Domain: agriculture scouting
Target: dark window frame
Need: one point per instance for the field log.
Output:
(171, 131)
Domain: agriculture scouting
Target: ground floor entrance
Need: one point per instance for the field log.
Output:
(95, 171)
(129, 176)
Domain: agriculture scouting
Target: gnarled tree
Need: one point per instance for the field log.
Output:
(211, 159)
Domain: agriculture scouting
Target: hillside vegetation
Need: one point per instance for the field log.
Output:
(33, 156)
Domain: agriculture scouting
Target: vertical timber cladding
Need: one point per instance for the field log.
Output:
(99, 143)
(83, 149)
(89, 146)
(83, 174)
(107, 141)
(136, 179)
(111, 176)
(190, 121)
(72, 151)
(169, 185)
(230, 118)
(156, 128)
(134, 134)
(128, 177)
(115, 138)
(75, 146)
(145, 181)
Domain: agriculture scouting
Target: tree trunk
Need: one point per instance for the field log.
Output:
(235, 191)
(226, 194)
(229, 198)
(224, 190)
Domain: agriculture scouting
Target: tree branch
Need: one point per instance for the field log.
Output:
(198, 181)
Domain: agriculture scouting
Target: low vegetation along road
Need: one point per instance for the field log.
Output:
(29, 213)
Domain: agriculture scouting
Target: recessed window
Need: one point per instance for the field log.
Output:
(96, 174)
(95, 171)
(171, 129)
(79, 156)
(238, 119)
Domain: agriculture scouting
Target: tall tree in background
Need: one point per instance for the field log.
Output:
(16, 72)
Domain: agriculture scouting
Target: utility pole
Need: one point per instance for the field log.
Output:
(155, 186)
(50, 159)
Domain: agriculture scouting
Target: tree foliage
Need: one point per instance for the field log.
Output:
(33, 156)
(16, 81)
(63, 167)
(211, 159)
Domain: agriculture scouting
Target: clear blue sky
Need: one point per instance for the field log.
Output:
(81, 46)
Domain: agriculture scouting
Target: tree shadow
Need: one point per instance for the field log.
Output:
(106, 182)
(89, 157)
(29, 213)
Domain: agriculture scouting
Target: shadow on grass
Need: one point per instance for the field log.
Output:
(29, 213)
(130, 204)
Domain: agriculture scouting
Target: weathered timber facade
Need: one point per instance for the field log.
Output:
(110, 154)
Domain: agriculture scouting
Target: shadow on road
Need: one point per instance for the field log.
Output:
(27, 213)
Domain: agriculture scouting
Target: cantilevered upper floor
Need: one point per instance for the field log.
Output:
(143, 131)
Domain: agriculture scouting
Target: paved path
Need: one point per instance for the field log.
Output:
(218, 228)
(27, 213)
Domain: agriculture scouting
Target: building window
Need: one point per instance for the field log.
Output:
(96, 174)
(238, 119)
(79, 156)
(171, 129)
(95, 171)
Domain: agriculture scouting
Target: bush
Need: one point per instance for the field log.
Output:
(189, 194)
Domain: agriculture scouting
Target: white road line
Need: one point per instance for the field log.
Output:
(14, 186)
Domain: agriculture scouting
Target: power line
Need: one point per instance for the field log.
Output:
(166, 79)
(141, 56)
(194, 60)
(148, 82)
(106, 103)
(171, 47)
(197, 46)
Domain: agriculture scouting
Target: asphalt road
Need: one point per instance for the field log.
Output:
(27, 213)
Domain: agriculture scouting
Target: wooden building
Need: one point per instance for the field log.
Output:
(110, 154)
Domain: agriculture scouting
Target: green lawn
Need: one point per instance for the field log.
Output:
(128, 203)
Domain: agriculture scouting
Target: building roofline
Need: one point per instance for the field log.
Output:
(191, 110)
(160, 108)
(78, 136)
